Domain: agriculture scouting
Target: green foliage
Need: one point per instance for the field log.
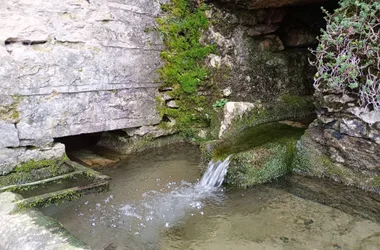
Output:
(184, 70)
(348, 56)
(220, 103)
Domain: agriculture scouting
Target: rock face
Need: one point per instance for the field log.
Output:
(75, 67)
(263, 53)
(343, 144)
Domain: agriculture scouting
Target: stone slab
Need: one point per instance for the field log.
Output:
(31, 229)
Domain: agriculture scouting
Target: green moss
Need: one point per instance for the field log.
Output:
(376, 182)
(261, 164)
(184, 69)
(289, 107)
(257, 136)
(38, 201)
(28, 166)
(35, 170)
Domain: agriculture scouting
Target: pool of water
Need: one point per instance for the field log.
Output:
(155, 203)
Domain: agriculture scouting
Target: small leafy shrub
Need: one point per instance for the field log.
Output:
(348, 56)
(220, 103)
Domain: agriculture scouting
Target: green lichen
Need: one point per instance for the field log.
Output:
(181, 28)
(10, 112)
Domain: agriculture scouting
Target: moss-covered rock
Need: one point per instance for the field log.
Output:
(261, 164)
(313, 158)
(34, 170)
(288, 107)
(259, 154)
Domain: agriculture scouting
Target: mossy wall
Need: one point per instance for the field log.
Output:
(185, 72)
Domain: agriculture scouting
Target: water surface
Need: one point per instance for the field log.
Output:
(156, 203)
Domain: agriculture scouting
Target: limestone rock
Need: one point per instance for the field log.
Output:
(231, 111)
(10, 158)
(215, 61)
(366, 115)
(43, 118)
(9, 135)
(31, 229)
(374, 133)
(172, 104)
(350, 160)
(271, 43)
(153, 131)
(353, 127)
(227, 92)
(77, 67)
(254, 61)
(166, 96)
(262, 30)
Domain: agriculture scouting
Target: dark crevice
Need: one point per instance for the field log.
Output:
(27, 42)
(12, 40)
(77, 142)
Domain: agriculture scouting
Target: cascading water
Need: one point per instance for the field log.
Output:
(168, 208)
(215, 173)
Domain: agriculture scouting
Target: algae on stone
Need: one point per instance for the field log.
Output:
(261, 164)
(259, 154)
(287, 108)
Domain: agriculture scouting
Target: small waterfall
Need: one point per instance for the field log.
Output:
(215, 173)
(165, 209)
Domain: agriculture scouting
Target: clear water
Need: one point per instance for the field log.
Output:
(156, 201)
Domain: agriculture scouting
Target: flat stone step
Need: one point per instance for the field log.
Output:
(62, 195)
(41, 182)
(91, 159)
(37, 193)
